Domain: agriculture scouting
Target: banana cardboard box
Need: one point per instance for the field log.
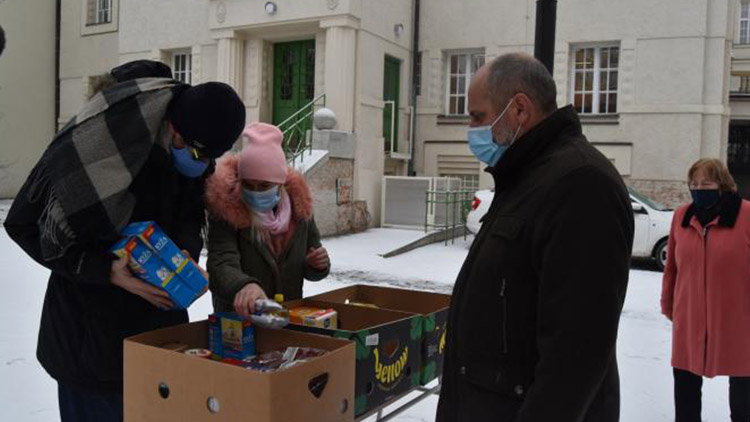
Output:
(432, 307)
(388, 349)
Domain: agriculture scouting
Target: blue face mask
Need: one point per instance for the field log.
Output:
(186, 164)
(261, 201)
(482, 142)
(705, 198)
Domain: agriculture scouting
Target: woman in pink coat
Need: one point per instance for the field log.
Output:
(706, 291)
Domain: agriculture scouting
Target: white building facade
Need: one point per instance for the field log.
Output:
(656, 84)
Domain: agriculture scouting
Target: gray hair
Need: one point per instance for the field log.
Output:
(517, 72)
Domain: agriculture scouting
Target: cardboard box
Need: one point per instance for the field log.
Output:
(433, 308)
(314, 317)
(155, 259)
(388, 349)
(230, 336)
(164, 385)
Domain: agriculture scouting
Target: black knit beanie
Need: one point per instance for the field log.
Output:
(209, 117)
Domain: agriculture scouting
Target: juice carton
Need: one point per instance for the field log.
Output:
(148, 267)
(314, 317)
(155, 259)
(153, 236)
(231, 336)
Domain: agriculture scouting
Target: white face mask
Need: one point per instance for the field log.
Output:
(483, 143)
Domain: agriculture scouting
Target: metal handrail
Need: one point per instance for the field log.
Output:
(311, 103)
(294, 123)
(393, 120)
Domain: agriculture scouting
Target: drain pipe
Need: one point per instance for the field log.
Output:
(414, 59)
(544, 43)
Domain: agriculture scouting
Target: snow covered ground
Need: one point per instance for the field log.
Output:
(27, 394)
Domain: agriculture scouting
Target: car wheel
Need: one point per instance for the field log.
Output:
(660, 254)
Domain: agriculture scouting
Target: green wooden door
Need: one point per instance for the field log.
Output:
(293, 79)
(391, 88)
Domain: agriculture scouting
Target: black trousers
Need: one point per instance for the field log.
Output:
(85, 406)
(687, 397)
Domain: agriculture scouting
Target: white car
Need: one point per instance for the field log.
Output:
(652, 223)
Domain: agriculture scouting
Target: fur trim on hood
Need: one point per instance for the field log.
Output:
(224, 195)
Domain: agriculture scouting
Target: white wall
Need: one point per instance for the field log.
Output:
(27, 89)
(673, 76)
(487, 26)
(375, 40)
(83, 53)
(168, 24)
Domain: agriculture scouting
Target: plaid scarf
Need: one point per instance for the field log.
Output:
(84, 174)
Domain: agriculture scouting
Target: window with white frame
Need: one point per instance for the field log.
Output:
(461, 68)
(744, 85)
(182, 65)
(744, 37)
(594, 79)
(98, 12)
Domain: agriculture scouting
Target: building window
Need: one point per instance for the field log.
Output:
(103, 11)
(594, 79)
(461, 67)
(745, 22)
(744, 85)
(99, 12)
(182, 64)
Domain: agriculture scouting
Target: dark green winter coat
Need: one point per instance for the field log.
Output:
(237, 252)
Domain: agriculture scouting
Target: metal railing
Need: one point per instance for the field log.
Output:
(297, 130)
(449, 210)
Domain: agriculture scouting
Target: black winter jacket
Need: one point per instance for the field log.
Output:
(534, 315)
(85, 318)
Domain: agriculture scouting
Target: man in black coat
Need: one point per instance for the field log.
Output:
(533, 320)
(137, 151)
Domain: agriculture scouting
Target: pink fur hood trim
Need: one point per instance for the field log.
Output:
(224, 195)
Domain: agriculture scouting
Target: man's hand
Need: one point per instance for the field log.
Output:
(244, 300)
(123, 278)
(317, 258)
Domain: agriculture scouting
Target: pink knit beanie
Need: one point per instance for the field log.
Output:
(261, 157)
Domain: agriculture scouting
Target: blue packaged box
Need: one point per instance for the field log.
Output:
(231, 336)
(155, 259)
(151, 234)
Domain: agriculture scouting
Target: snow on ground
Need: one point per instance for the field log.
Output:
(27, 394)
(4, 207)
(309, 159)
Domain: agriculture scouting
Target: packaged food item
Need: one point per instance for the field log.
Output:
(282, 359)
(314, 317)
(154, 258)
(199, 353)
(230, 336)
(269, 314)
(155, 238)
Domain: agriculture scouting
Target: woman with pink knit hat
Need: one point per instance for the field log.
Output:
(262, 237)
